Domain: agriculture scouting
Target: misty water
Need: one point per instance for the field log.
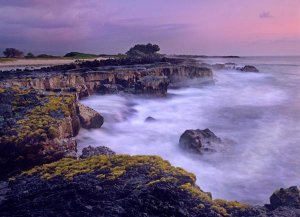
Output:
(259, 112)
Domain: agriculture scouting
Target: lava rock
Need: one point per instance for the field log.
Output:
(289, 197)
(150, 119)
(249, 68)
(89, 118)
(114, 186)
(94, 151)
(199, 140)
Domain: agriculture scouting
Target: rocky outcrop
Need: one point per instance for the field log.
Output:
(152, 85)
(145, 79)
(90, 151)
(285, 197)
(122, 185)
(150, 119)
(249, 68)
(89, 118)
(230, 66)
(198, 141)
(117, 185)
(35, 128)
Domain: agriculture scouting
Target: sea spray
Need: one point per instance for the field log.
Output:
(259, 112)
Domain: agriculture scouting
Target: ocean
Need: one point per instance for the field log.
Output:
(256, 114)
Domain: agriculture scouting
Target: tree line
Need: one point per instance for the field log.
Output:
(137, 51)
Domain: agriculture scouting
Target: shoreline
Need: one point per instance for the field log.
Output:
(14, 64)
(152, 81)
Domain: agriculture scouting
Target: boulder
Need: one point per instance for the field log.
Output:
(94, 151)
(249, 68)
(89, 118)
(289, 197)
(199, 140)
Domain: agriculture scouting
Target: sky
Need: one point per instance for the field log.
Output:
(209, 27)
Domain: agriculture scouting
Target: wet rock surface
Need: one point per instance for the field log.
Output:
(199, 141)
(249, 68)
(230, 66)
(150, 119)
(95, 151)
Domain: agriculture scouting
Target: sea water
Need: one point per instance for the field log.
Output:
(259, 113)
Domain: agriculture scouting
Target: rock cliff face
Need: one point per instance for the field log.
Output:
(35, 128)
(149, 79)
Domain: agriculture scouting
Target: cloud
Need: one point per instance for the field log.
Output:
(60, 25)
(265, 15)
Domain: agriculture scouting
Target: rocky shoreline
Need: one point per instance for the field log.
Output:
(40, 115)
(152, 79)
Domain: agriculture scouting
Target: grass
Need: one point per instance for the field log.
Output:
(78, 55)
(4, 59)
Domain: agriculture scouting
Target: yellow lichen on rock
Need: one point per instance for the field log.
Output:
(196, 192)
(116, 166)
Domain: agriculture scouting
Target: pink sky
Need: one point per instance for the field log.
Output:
(212, 27)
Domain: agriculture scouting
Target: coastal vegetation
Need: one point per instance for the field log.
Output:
(78, 55)
(13, 53)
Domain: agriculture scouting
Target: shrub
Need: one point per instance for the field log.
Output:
(12, 53)
(143, 50)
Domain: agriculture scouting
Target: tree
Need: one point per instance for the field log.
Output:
(12, 52)
(29, 55)
(144, 50)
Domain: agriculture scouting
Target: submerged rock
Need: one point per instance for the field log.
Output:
(89, 118)
(94, 151)
(199, 140)
(150, 119)
(249, 68)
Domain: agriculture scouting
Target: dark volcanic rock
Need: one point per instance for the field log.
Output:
(248, 68)
(142, 186)
(289, 197)
(94, 151)
(199, 140)
(150, 119)
(89, 118)
(121, 185)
